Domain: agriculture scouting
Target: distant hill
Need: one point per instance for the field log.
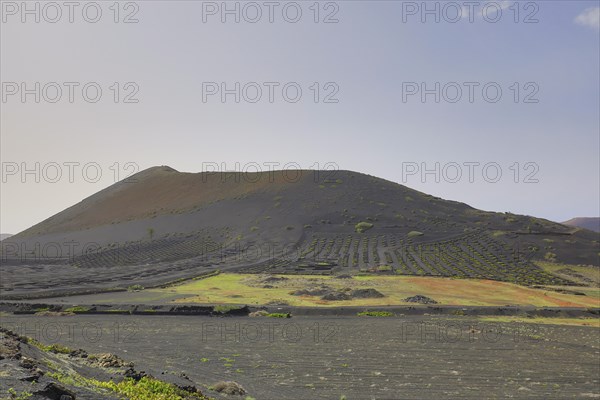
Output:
(5, 236)
(161, 225)
(591, 223)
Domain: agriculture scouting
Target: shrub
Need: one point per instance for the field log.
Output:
(19, 396)
(148, 388)
(363, 227)
(58, 349)
(412, 234)
(375, 314)
(279, 315)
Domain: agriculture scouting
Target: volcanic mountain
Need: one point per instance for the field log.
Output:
(161, 225)
(591, 223)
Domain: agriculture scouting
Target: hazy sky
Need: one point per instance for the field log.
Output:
(370, 69)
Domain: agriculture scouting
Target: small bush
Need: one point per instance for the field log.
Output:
(363, 227)
(375, 314)
(279, 315)
(19, 396)
(148, 388)
(412, 234)
(58, 349)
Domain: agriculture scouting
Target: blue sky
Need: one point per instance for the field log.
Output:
(369, 55)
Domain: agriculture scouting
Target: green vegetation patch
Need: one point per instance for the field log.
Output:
(375, 314)
(279, 315)
(412, 234)
(395, 288)
(363, 227)
(17, 396)
(147, 388)
(225, 308)
(53, 348)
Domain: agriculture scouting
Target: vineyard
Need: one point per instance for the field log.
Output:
(191, 246)
(448, 253)
(470, 255)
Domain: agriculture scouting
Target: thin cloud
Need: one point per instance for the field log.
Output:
(590, 17)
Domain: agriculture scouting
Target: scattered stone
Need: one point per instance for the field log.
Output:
(35, 375)
(53, 313)
(269, 279)
(79, 353)
(566, 291)
(27, 363)
(107, 360)
(54, 391)
(369, 293)
(420, 299)
(189, 388)
(336, 296)
(229, 387)
(259, 313)
(311, 292)
(133, 374)
(9, 349)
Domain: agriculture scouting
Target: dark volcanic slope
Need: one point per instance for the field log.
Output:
(591, 223)
(162, 225)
